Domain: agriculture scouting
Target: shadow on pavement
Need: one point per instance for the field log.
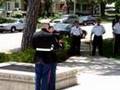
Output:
(99, 65)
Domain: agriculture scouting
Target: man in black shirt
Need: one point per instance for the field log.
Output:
(45, 42)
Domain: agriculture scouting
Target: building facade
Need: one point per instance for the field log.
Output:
(59, 6)
(11, 5)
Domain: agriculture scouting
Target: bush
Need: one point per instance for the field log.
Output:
(17, 16)
(108, 47)
(3, 57)
(63, 53)
(4, 20)
(22, 56)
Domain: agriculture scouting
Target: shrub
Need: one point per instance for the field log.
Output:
(4, 20)
(17, 16)
(22, 56)
(108, 47)
(3, 57)
(63, 53)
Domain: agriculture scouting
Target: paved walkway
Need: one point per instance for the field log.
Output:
(95, 73)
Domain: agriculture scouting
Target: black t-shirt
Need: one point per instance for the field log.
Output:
(44, 39)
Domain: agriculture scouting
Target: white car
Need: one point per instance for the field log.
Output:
(17, 25)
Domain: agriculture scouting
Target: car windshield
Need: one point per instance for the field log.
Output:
(60, 27)
(83, 18)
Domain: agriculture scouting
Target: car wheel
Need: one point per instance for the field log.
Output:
(20, 30)
(13, 29)
(1, 31)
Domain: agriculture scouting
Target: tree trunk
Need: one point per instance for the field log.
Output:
(31, 22)
(102, 4)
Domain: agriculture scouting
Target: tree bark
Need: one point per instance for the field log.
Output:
(102, 4)
(31, 22)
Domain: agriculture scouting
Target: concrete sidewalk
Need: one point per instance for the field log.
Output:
(95, 73)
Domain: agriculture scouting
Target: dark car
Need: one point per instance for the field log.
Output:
(87, 20)
(63, 28)
(68, 19)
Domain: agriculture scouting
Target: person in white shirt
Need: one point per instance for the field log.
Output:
(116, 33)
(98, 30)
(76, 33)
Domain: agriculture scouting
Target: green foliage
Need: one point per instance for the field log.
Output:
(4, 20)
(117, 4)
(63, 53)
(67, 42)
(3, 57)
(108, 47)
(21, 56)
(17, 16)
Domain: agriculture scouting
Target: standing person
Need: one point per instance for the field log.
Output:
(98, 31)
(116, 33)
(44, 42)
(76, 33)
(115, 21)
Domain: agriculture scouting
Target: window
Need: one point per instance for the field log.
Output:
(8, 6)
(16, 5)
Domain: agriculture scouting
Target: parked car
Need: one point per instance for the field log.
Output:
(62, 28)
(69, 19)
(16, 25)
(87, 20)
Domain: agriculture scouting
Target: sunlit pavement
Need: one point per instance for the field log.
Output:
(95, 73)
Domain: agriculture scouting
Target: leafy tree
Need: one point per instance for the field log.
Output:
(103, 4)
(47, 8)
(117, 5)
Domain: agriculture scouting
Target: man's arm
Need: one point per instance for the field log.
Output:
(91, 36)
(103, 29)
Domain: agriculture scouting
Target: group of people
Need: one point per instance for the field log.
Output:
(77, 33)
(97, 41)
(45, 42)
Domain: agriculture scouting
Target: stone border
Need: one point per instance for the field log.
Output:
(66, 77)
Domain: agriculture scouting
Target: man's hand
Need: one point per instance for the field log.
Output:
(61, 42)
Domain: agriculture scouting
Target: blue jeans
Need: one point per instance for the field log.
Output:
(45, 76)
